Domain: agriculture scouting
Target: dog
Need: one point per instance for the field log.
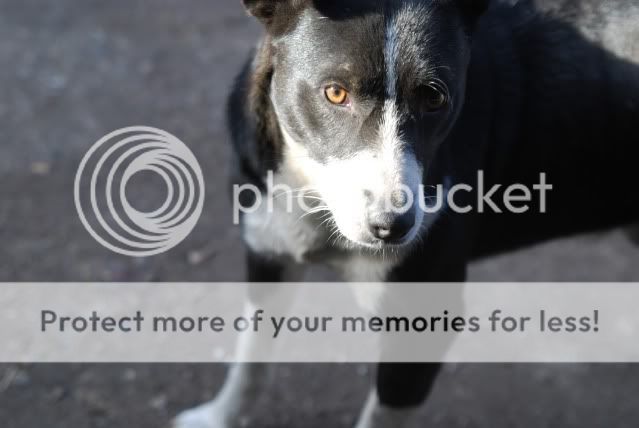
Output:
(351, 100)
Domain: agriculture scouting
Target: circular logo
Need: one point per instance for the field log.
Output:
(101, 183)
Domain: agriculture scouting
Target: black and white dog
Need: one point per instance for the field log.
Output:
(352, 100)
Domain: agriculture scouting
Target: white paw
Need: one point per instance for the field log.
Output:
(205, 416)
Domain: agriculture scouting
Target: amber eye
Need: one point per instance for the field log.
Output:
(435, 98)
(337, 95)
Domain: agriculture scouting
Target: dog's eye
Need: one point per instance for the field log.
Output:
(435, 98)
(337, 95)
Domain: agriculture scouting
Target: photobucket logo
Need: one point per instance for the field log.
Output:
(460, 198)
(101, 186)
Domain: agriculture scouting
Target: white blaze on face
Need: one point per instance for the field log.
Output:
(365, 182)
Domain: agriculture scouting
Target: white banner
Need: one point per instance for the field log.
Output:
(503, 322)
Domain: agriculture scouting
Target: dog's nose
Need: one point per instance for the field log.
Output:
(391, 227)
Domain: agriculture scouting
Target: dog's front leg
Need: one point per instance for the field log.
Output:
(245, 382)
(401, 389)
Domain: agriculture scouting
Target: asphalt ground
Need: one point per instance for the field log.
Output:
(71, 71)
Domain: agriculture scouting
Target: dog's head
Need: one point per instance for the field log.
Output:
(365, 91)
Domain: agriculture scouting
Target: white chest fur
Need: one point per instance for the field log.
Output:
(280, 232)
(281, 224)
(283, 227)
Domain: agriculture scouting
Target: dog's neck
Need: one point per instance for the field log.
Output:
(268, 136)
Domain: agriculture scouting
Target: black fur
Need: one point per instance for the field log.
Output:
(531, 93)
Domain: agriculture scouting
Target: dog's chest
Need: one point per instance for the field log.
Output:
(281, 225)
(281, 233)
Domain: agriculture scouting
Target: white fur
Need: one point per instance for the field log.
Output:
(342, 183)
(281, 227)
(234, 405)
(375, 415)
(621, 33)
(614, 28)
(391, 53)
(369, 270)
(279, 232)
(346, 184)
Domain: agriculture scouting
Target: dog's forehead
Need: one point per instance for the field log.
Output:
(409, 22)
(371, 40)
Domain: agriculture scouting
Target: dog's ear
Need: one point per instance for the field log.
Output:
(270, 12)
(263, 10)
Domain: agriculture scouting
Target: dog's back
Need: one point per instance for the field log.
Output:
(563, 99)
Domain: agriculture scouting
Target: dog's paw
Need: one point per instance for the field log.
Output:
(205, 416)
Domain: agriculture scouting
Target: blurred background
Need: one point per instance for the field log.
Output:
(72, 71)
